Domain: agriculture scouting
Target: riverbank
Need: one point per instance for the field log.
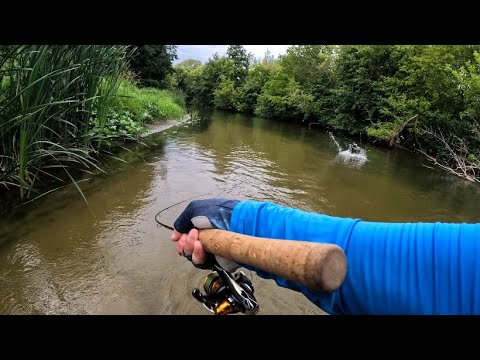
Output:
(420, 98)
(455, 158)
(10, 199)
(50, 161)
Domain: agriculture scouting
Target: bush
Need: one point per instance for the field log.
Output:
(149, 104)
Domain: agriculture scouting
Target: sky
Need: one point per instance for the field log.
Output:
(204, 52)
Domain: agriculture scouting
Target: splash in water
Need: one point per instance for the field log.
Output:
(354, 155)
(335, 141)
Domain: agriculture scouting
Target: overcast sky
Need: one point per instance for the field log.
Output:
(204, 52)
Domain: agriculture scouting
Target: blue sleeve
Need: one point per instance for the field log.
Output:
(393, 268)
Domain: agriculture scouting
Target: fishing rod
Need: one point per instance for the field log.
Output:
(318, 266)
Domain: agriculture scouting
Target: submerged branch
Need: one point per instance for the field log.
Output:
(457, 162)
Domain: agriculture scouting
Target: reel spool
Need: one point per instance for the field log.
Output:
(226, 293)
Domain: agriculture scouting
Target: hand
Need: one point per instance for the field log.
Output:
(190, 245)
(203, 214)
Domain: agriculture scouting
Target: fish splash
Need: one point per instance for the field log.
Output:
(354, 155)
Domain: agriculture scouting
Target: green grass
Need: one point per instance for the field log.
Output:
(48, 94)
(148, 104)
(62, 107)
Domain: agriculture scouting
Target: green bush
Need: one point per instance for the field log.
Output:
(149, 104)
(61, 104)
(282, 98)
(225, 95)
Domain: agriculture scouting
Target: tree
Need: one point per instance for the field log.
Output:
(268, 58)
(248, 93)
(215, 70)
(309, 64)
(313, 67)
(224, 96)
(429, 81)
(152, 63)
(189, 64)
(282, 98)
(360, 85)
(241, 61)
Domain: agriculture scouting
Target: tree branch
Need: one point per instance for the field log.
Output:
(395, 136)
(458, 152)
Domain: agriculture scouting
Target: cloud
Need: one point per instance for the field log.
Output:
(199, 52)
(260, 50)
(204, 52)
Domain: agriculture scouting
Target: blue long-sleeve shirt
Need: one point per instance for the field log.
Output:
(393, 268)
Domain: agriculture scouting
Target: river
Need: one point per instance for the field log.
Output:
(59, 256)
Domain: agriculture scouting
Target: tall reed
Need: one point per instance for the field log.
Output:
(50, 96)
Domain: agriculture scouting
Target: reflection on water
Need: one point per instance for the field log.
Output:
(60, 256)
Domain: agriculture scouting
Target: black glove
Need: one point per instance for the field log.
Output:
(208, 214)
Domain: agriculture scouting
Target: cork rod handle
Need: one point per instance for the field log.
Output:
(318, 266)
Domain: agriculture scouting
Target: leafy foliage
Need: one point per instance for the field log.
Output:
(224, 96)
(249, 92)
(153, 63)
(282, 98)
(59, 107)
(241, 61)
(372, 90)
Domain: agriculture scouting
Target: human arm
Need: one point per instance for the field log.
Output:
(393, 268)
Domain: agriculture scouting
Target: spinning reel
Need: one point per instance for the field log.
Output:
(226, 293)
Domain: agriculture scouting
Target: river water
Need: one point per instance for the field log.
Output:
(59, 256)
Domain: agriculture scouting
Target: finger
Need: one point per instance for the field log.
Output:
(199, 255)
(179, 248)
(191, 237)
(181, 243)
(176, 235)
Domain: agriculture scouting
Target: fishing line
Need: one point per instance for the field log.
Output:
(168, 226)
